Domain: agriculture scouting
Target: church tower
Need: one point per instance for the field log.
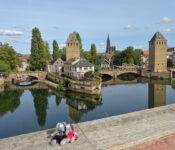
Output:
(72, 47)
(109, 49)
(108, 45)
(158, 53)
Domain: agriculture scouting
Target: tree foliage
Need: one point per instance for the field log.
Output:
(38, 53)
(93, 53)
(56, 51)
(8, 58)
(129, 56)
(47, 49)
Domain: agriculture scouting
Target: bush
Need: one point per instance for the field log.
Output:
(60, 87)
(89, 75)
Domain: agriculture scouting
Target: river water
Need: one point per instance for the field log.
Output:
(33, 108)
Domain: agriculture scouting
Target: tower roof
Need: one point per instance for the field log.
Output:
(157, 36)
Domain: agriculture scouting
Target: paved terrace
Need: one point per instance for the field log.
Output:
(113, 133)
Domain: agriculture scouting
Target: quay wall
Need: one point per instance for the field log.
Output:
(120, 132)
(156, 75)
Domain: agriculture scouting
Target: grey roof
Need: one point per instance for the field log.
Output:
(157, 36)
(83, 63)
(53, 61)
(69, 61)
(102, 61)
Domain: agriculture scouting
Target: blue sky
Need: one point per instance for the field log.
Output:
(128, 22)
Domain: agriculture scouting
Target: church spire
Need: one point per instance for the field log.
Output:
(108, 45)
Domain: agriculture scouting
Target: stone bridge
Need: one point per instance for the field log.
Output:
(21, 75)
(116, 72)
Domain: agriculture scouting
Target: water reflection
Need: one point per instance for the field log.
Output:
(37, 107)
(9, 101)
(40, 99)
(156, 95)
(80, 104)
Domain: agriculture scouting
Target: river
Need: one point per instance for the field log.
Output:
(33, 108)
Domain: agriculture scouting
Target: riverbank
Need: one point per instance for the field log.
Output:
(117, 132)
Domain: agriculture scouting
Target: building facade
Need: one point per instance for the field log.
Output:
(158, 53)
(145, 58)
(76, 68)
(55, 66)
(103, 64)
(72, 47)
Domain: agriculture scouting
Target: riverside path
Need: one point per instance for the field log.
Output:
(113, 133)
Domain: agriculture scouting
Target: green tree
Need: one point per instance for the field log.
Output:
(47, 49)
(56, 52)
(38, 54)
(4, 67)
(117, 57)
(129, 55)
(9, 57)
(93, 53)
(63, 53)
(86, 55)
(137, 56)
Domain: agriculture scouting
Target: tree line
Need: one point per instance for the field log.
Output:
(128, 56)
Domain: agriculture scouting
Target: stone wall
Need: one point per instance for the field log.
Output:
(158, 75)
(55, 78)
(84, 88)
(18, 75)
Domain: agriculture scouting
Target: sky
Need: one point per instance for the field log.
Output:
(128, 22)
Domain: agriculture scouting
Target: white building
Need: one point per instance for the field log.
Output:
(55, 66)
(76, 68)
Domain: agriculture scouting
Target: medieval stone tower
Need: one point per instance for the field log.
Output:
(158, 53)
(72, 47)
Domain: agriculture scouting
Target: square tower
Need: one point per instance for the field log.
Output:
(72, 47)
(158, 53)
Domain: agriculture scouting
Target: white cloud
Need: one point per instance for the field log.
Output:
(138, 47)
(101, 44)
(168, 30)
(10, 40)
(11, 32)
(165, 20)
(62, 46)
(130, 27)
(27, 42)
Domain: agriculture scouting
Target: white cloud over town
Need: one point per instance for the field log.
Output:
(168, 30)
(11, 32)
(130, 27)
(62, 46)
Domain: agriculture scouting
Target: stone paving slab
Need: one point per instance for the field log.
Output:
(112, 133)
(167, 143)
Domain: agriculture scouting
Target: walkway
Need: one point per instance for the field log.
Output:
(113, 133)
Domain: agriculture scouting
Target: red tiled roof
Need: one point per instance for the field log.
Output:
(146, 53)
